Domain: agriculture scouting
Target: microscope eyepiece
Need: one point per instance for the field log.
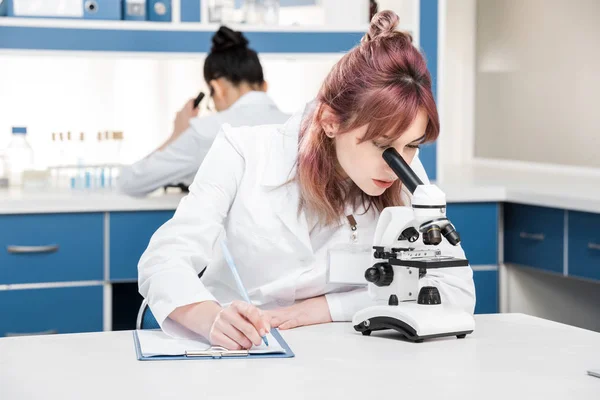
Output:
(402, 169)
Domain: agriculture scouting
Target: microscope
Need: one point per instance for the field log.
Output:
(405, 247)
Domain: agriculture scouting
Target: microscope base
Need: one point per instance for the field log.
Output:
(416, 322)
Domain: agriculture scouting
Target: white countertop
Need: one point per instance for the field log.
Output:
(565, 190)
(509, 356)
(461, 184)
(15, 201)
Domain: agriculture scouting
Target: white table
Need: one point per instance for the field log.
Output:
(510, 356)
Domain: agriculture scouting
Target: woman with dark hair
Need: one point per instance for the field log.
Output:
(285, 195)
(238, 89)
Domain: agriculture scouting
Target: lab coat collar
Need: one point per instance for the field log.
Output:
(253, 98)
(280, 169)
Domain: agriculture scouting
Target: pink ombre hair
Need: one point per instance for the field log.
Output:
(382, 82)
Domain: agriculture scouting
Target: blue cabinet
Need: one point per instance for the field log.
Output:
(534, 237)
(52, 310)
(130, 234)
(477, 224)
(486, 290)
(51, 248)
(584, 245)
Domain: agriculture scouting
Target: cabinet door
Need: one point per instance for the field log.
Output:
(130, 233)
(477, 224)
(584, 245)
(51, 248)
(533, 236)
(486, 290)
(52, 310)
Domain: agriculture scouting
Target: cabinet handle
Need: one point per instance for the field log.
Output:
(48, 332)
(32, 249)
(532, 236)
(593, 246)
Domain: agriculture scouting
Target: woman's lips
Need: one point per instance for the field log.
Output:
(383, 184)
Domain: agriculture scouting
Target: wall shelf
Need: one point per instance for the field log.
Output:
(156, 37)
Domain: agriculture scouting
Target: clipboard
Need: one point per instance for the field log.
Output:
(215, 352)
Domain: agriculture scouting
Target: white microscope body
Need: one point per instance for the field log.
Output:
(405, 247)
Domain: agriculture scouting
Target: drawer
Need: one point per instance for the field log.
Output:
(584, 245)
(53, 310)
(51, 248)
(486, 290)
(130, 233)
(477, 224)
(533, 236)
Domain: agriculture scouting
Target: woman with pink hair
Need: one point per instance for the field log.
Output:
(285, 194)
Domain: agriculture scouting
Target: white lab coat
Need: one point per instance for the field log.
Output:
(241, 190)
(179, 162)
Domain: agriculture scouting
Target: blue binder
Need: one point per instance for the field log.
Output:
(159, 10)
(102, 9)
(3, 7)
(216, 352)
(134, 10)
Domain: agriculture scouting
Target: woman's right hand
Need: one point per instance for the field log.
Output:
(239, 326)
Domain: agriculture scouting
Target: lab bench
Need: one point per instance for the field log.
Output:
(69, 260)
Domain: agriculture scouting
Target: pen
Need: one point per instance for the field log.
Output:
(237, 278)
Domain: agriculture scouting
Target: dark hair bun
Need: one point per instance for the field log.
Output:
(227, 39)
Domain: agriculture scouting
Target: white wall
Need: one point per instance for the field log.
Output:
(538, 81)
(456, 83)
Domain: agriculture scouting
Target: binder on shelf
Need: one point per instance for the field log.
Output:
(134, 10)
(159, 10)
(102, 9)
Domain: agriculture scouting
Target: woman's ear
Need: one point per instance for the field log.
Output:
(217, 89)
(264, 86)
(329, 121)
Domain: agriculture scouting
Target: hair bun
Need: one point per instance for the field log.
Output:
(225, 39)
(383, 24)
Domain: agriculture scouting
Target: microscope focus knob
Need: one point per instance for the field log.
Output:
(429, 295)
(380, 274)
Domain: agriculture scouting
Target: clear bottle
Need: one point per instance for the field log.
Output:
(19, 154)
(4, 170)
(271, 12)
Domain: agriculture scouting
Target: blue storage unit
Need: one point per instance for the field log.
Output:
(534, 237)
(486, 290)
(51, 310)
(584, 245)
(130, 234)
(51, 248)
(477, 224)
(190, 11)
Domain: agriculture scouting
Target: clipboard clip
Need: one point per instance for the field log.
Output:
(217, 352)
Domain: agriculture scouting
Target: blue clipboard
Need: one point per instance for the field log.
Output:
(215, 353)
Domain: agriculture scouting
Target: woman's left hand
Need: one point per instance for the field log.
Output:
(182, 119)
(309, 312)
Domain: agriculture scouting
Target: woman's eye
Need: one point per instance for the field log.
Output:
(412, 146)
(380, 146)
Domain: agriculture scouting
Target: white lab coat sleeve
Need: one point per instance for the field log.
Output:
(455, 284)
(181, 248)
(177, 162)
